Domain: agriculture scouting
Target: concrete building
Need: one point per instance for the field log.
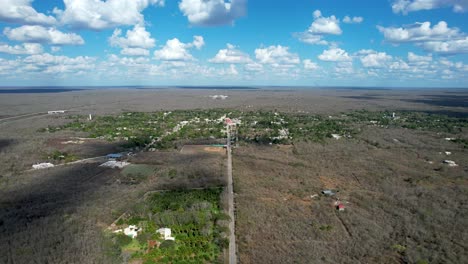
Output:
(132, 231)
(56, 112)
(166, 233)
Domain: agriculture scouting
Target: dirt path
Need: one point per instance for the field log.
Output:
(18, 117)
(88, 160)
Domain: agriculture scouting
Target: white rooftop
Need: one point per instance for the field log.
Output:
(165, 233)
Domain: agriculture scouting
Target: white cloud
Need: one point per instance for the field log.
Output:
(374, 59)
(419, 32)
(344, 67)
(98, 14)
(174, 50)
(40, 34)
(26, 48)
(50, 64)
(135, 52)
(253, 67)
(310, 38)
(309, 65)
(232, 70)
(440, 38)
(212, 12)
(335, 54)
(21, 11)
(198, 42)
(416, 58)
(276, 55)
(137, 37)
(325, 25)
(230, 55)
(354, 20)
(399, 65)
(406, 6)
(447, 47)
(322, 26)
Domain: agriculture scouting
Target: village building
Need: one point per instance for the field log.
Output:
(165, 233)
(132, 231)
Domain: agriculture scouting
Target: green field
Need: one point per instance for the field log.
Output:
(194, 217)
(165, 129)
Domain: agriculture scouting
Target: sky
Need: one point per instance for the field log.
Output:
(378, 43)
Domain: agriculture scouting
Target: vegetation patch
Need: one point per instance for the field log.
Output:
(136, 173)
(60, 156)
(194, 217)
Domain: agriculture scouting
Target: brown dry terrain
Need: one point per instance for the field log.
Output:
(399, 208)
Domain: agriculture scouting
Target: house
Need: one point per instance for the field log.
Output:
(336, 136)
(43, 166)
(114, 164)
(450, 163)
(165, 233)
(132, 231)
(56, 112)
(114, 156)
(328, 192)
(340, 207)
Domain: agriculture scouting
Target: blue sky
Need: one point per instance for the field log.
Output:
(392, 43)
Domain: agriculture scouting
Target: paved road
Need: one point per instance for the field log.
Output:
(232, 237)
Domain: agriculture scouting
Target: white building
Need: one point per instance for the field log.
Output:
(43, 166)
(165, 233)
(56, 112)
(132, 231)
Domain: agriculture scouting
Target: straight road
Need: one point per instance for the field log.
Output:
(12, 118)
(230, 190)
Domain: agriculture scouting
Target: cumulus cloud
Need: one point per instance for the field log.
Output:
(354, 20)
(344, 67)
(174, 50)
(98, 14)
(198, 42)
(309, 65)
(253, 67)
(231, 55)
(325, 25)
(374, 59)
(212, 12)
(50, 64)
(26, 48)
(276, 55)
(40, 34)
(416, 58)
(136, 42)
(419, 32)
(399, 65)
(447, 47)
(21, 11)
(232, 70)
(310, 38)
(406, 6)
(135, 52)
(322, 26)
(335, 54)
(440, 38)
(137, 37)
